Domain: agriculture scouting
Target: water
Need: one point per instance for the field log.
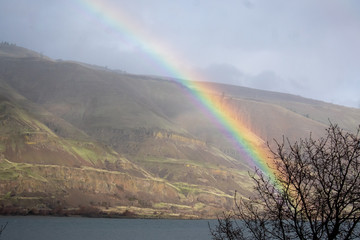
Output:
(56, 228)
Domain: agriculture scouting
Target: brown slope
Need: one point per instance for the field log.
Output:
(13, 51)
(195, 183)
(272, 115)
(154, 124)
(37, 166)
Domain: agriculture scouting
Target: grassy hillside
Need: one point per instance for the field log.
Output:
(308, 111)
(37, 166)
(81, 138)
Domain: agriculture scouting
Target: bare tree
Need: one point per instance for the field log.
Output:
(315, 193)
(2, 228)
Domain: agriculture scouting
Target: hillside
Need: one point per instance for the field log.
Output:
(75, 137)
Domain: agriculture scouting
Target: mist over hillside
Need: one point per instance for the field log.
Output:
(78, 137)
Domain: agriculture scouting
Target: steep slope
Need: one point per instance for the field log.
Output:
(37, 166)
(45, 157)
(13, 51)
(88, 136)
(310, 113)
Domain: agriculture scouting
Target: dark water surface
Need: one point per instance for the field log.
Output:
(56, 228)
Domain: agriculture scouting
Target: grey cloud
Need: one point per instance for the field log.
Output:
(225, 73)
(248, 4)
(266, 80)
(303, 47)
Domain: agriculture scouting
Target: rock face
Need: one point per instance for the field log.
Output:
(60, 182)
(34, 187)
(76, 139)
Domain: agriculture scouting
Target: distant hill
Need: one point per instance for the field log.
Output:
(11, 50)
(77, 138)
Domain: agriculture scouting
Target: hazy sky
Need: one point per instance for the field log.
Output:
(305, 47)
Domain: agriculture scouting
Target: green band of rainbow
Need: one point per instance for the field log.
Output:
(245, 140)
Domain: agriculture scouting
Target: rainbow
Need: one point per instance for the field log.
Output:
(245, 140)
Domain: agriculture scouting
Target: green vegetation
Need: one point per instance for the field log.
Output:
(169, 205)
(12, 171)
(187, 189)
(79, 135)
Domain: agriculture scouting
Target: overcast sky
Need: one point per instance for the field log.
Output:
(305, 47)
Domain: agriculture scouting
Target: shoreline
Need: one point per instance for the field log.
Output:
(101, 214)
